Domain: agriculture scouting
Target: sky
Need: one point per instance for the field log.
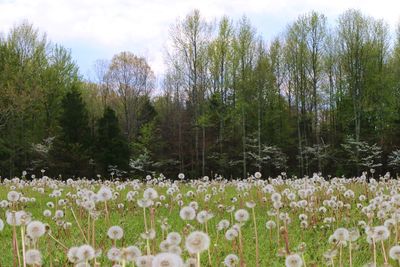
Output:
(99, 29)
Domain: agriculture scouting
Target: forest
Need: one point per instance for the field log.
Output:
(319, 97)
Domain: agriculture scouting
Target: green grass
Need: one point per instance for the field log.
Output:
(130, 218)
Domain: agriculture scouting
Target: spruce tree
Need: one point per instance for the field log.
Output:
(71, 152)
(112, 148)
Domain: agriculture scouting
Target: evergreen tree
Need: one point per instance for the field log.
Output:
(112, 149)
(71, 152)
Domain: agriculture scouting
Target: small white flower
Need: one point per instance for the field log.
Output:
(293, 260)
(231, 234)
(33, 257)
(231, 260)
(197, 242)
(85, 252)
(242, 215)
(115, 232)
(131, 253)
(72, 254)
(13, 196)
(144, 261)
(174, 238)
(114, 254)
(394, 253)
(341, 234)
(166, 259)
(35, 229)
(187, 213)
(150, 193)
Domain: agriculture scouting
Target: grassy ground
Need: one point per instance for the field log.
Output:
(130, 218)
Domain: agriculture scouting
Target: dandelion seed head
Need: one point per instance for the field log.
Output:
(35, 229)
(115, 232)
(293, 260)
(166, 259)
(197, 242)
(33, 257)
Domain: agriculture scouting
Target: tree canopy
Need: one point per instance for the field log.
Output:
(316, 98)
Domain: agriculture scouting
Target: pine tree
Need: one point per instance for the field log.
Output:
(112, 148)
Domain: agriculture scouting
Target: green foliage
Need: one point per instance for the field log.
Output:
(111, 146)
(229, 103)
(72, 150)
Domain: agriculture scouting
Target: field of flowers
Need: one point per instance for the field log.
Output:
(260, 221)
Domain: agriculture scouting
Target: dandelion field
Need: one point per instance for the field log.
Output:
(313, 221)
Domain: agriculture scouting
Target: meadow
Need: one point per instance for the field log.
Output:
(158, 222)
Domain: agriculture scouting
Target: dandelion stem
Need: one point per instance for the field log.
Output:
(58, 242)
(145, 221)
(374, 248)
(208, 250)
(23, 244)
(350, 256)
(106, 208)
(384, 252)
(88, 227)
(147, 232)
(79, 226)
(256, 236)
(198, 259)
(16, 243)
(304, 260)
(241, 248)
(277, 226)
(93, 232)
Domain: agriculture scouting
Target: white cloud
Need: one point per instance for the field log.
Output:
(142, 25)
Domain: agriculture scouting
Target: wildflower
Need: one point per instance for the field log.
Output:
(231, 260)
(223, 224)
(151, 234)
(115, 232)
(197, 242)
(270, 225)
(250, 204)
(166, 259)
(114, 254)
(341, 234)
(47, 213)
(144, 261)
(174, 238)
(145, 202)
(394, 253)
(242, 215)
(104, 194)
(131, 253)
(85, 253)
(33, 257)
(13, 196)
(204, 216)
(187, 213)
(231, 234)
(72, 254)
(150, 193)
(381, 233)
(293, 260)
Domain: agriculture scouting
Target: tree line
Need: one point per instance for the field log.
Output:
(314, 98)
